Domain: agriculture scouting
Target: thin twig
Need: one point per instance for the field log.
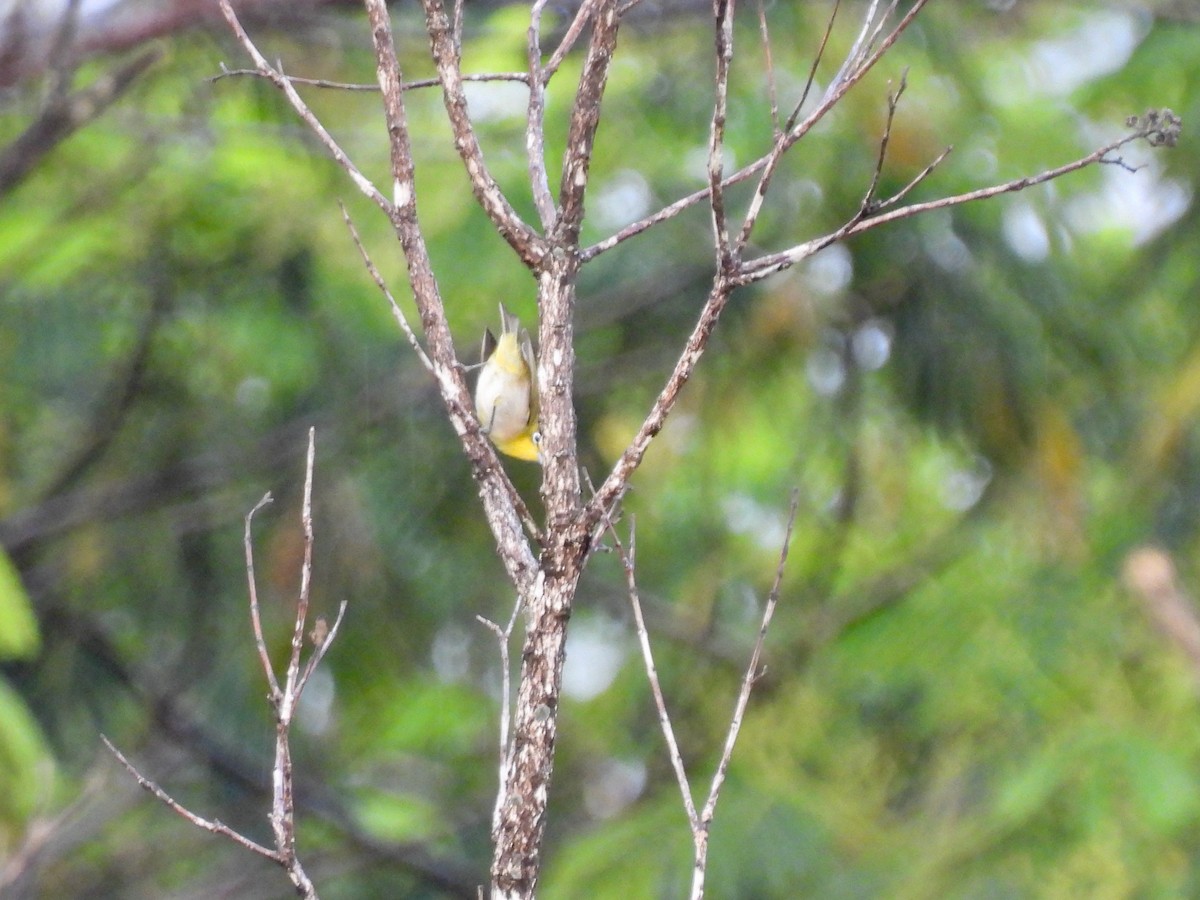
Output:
(283, 702)
(767, 161)
(764, 34)
(616, 483)
(667, 212)
(255, 618)
(852, 58)
(881, 157)
(503, 636)
(522, 77)
(847, 78)
(812, 70)
(626, 556)
(880, 205)
(322, 645)
(753, 673)
(284, 84)
(867, 35)
(291, 691)
(210, 825)
(753, 670)
(881, 24)
(701, 822)
(758, 269)
(397, 312)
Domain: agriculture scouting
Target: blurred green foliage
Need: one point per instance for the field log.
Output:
(981, 412)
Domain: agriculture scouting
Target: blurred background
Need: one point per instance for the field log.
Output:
(983, 412)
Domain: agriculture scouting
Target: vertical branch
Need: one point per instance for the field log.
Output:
(293, 668)
(585, 119)
(769, 62)
(723, 14)
(283, 805)
(521, 811)
(255, 618)
(503, 636)
(556, 285)
(535, 122)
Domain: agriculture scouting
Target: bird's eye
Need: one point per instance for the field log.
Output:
(536, 437)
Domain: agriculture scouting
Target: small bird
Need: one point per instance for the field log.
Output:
(506, 396)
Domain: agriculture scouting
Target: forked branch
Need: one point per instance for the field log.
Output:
(700, 822)
(1159, 128)
(283, 699)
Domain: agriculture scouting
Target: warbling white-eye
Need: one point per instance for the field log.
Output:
(506, 395)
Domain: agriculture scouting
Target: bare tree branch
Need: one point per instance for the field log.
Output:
(495, 488)
(627, 557)
(764, 35)
(768, 161)
(284, 84)
(255, 618)
(585, 119)
(723, 15)
(753, 673)
(764, 266)
(812, 70)
(397, 312)
(522, 77)
(614, 486)
(535, 122)
(283, 700)
(700, 822)
(447, 55)
(503, 636)
(893, 102)
(211, 825)
(853, 71)
(174, 721)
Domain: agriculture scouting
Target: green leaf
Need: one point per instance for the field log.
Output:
(19, 638)
(26, 765)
